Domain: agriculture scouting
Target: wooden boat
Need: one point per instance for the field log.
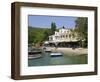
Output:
(34, 52)
(34, 56)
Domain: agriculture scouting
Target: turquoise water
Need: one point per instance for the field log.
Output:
(46, 60)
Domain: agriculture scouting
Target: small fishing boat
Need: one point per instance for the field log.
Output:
(34, 56)
(56, 54)
(34, 53)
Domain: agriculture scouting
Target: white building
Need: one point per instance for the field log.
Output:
(63, 35)
(64, 38)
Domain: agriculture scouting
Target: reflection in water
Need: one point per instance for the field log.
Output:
(46, 59)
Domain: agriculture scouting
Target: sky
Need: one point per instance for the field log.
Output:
(45, 21)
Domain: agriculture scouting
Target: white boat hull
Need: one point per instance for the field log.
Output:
(55, 54)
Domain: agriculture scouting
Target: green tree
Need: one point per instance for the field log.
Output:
(46, 35)
(63, 27)
(35, 35)
(53, 27)
(82, 29)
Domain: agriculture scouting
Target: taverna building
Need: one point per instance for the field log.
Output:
(63, 35)
(63, 38)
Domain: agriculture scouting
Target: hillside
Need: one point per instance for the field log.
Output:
(37, 35)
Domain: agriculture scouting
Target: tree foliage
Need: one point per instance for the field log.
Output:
(38, 35)
(82, 29)
(35, 35)
(53, 27)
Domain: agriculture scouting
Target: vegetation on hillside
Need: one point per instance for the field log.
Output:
(82, 30)
(38, 35)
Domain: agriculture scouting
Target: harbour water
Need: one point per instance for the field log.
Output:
(47, 60)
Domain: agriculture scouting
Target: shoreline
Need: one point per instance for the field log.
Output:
(69, 51)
